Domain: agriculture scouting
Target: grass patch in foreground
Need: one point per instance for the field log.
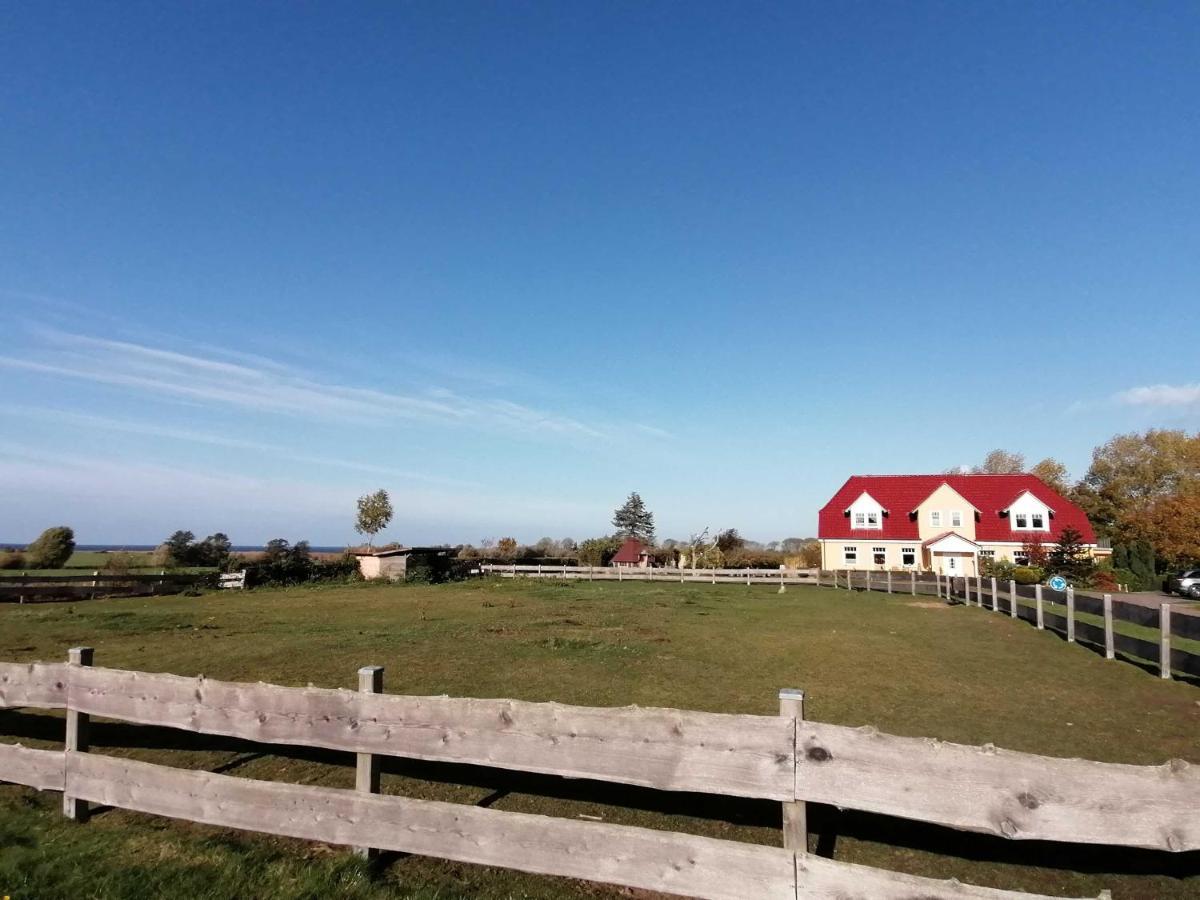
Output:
(903, 666)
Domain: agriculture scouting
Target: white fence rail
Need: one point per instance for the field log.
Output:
(664, 574)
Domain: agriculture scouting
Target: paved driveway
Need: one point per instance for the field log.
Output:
(1155, 599)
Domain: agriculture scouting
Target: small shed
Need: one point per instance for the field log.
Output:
(632, 554)
(398, 563)
(389, 564)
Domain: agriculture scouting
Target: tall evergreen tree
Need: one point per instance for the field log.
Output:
(632, 519)
(1068, 557)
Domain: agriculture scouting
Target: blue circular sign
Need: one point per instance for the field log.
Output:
(1058, 583)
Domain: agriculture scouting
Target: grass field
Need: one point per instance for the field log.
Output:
(905, 665)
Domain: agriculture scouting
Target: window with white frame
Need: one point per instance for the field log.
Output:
(1021, 557)
(956, 519)
(935, 517)
(872, 519)
(850, 555)
(1020, 520)
(987, 554)
(1037, 522)
(879, 555)
(860, 520)
(908, 556)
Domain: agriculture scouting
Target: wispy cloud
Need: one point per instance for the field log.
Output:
(1160, 395)
(274, 451)
(265, 386)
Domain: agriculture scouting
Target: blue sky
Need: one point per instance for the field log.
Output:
(513, 261)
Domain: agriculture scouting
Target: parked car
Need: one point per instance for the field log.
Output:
(1186, 584)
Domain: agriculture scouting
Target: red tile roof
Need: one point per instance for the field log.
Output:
(989, 494)
(629, 552)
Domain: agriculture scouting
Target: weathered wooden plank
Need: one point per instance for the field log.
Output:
(818, 878)
(41, 769)
(1001, 792)
(1182, 661)
(633, 857)
(685, 865)
(40, 685)
(669, 749)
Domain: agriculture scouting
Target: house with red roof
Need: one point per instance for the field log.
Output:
(943, 523)
(632, 554)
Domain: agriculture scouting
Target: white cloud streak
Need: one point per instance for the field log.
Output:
(272, 388)
(275, 451)
(1160, 395)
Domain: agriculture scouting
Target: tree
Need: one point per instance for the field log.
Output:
(794, 544)
(1130, 471)
(1053, 474)
(1001, 462)
(374, 514)
(729, 540)
(598, 551)
(810, 555)
(214, 550)
(1034, 550)
(632, 519)
(178, 548)
(506, 547)
(1069, 557)
(52, 549)
(1174, 521)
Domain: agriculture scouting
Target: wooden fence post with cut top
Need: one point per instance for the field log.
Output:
(889, 581)
(1109, 650)
(1012, 598)
(912, 581)
(979, 591)
(1070, 615)
(1041, 613)
(1164, 640)
(795, 813)
(995, 594)
(366, 776)
(78, 727)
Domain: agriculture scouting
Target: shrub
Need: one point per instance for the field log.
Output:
(1000, 569)
(1103, 580)
(52, 548)
(1027, 574)
(12, 559)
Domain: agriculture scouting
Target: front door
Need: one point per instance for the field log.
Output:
(951, 566)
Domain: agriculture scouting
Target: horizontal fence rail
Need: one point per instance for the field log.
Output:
(22, 588)
(783, 758)
(1060, 611)
(663, 574)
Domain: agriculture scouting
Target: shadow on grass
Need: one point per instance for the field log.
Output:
(827, 824)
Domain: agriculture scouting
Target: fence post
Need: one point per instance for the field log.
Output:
(1164, 641)
(867, 580)
(539, 570)
(889, 578)
(937, 579)
(747, 578)
(967, 590)
(514, 570)
(912, 581)
(78, 726)
(994, 595)
(1108, 628)
(366, 776)
(1012, 598)
(1070, 615)
(795, 813)
(1041, 615)
(713, 573)
(619, 568)
(818, 576)
(979, 591)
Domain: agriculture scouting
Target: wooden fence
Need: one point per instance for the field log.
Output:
(663, 574)
(1059, 611)
(23, 588)
(783, 758)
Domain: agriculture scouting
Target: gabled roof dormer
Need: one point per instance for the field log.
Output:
(1027, 513)
(865, 513)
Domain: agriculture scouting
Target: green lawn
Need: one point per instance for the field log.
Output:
(906, 665)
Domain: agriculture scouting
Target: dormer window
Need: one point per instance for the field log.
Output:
(1021, 520)
(866, 512)
(1038, 521)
